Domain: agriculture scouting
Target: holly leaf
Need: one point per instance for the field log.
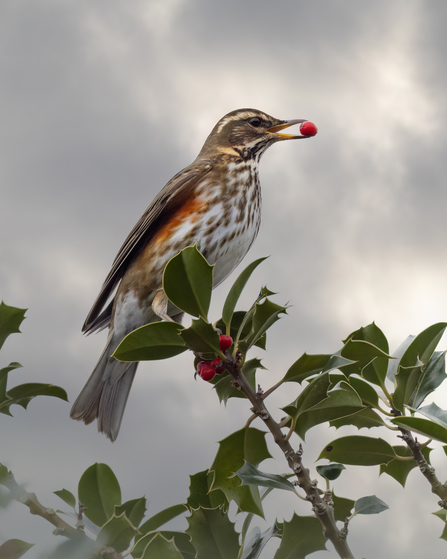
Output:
(13, 549)
(67, 497)
(399, 469)
(235, 292)
(249, 445)
(99, 491)
(301, 537)
(358, 451)
(223, 384)
(162, 518)
(434, 427)
(411, 365)
(134, 509)
(10, 320)
(364, 418)
(157, 340)
(342, 507)
(24, 393)
(256, 541)
(370, 505)
(201, 337)
(188, 282)
(249, 475)
(157, 545)
(432, 376)
(201, 495)
(117, 532)
(330, 471)
(212, 534)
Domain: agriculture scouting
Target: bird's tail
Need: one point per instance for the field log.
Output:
(105, 394)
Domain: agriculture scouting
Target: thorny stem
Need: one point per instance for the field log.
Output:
(438, 488)
(320, 506)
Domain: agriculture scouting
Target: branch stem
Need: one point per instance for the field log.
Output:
(438, 488)
(322, 510)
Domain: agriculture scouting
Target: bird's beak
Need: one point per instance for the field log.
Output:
(286, 124)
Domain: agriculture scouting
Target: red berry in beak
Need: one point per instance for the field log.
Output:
(308, 129)
(225, 342)
(205, 370)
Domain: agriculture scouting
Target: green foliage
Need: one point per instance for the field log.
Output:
(246, 445)
(399, 469)
(201, 337)
(200, 494)
(212, 534)
(162, 518)
(322, 401)
(359, 451)
(99, 492)
(223, 384)
(301, 537)
(370, 505)
(342, 507)
(10, 320)
(331, 471)
(256, 541)
(235, 293)
(249, 475)
(67, 497)
(410, 372)
(13, 549)
(433, 426)
(188, 282)
(157, 340)
(359, 385)
(160, 546)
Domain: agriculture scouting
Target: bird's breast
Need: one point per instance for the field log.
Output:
(222, 217)
(233, 218)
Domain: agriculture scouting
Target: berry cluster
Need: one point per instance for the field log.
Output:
(208, 369)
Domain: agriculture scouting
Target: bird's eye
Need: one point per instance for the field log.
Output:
(255, 122)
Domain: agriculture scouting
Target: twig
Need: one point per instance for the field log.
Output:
(31, 501)
(438, 488)
(62, 528)
(322, 510)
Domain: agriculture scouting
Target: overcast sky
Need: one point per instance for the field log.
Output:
(102, 102)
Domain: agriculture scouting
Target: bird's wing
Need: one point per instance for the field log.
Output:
(176, 192)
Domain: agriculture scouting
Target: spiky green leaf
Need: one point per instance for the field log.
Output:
(359, 451)
(301, 537)
(236, 290)
(249, 445)
(212, 534)
(10, 320)
(188, 282)
(99, 491)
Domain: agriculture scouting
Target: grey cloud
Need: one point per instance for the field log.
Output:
(100, 105)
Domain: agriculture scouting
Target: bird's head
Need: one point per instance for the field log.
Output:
(247, 133)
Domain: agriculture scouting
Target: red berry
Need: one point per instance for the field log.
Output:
(308, 128)
(205, 370)
(225, 342)
(218, 367)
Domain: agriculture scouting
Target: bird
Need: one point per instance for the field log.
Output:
(214, 203)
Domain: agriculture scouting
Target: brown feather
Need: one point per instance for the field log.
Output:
(175, 194)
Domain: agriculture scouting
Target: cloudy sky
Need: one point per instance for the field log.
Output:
(102, 102)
